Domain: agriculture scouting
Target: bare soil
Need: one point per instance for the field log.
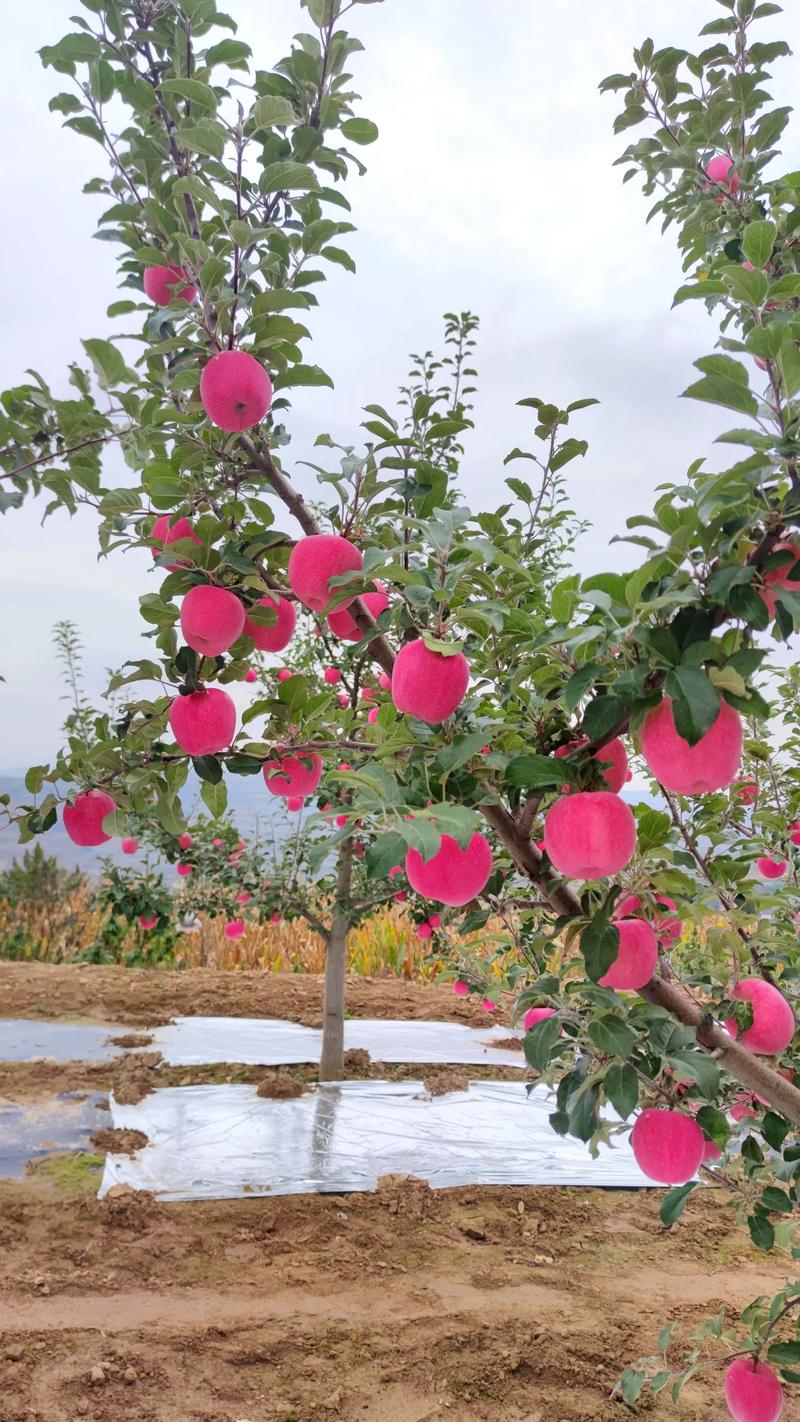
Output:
(407, 1305)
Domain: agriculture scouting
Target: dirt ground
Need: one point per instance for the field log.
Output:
(409, 1305)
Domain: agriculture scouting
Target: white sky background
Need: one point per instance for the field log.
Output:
(491, 188)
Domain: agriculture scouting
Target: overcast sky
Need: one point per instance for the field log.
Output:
(491, 188)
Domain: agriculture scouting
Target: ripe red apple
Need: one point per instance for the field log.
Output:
(717, 170)
(285, 674)
(332, 676)
(637, 956)
(235, 390)
(488, 1005)
(317, 559)
(590, 834)
(536, 1014)
(129, 846)
(773, 1025)
(772, 868)
(453, 875)
(668, 1146)
(343, 699)
(434, 919)
(778, 577)
(291, 775)
(275, 917)
(372, 715)
(342, 625)
(234, 928)
(185, 870)
(711, 764)
(164, 284)
(185, 840)
(294, 803)
(753, 1391)
(244, 897)
(148, 920)
(385, 682)
(204, 722)
(211, 619)
(746, 791)
(401, 897)
(424, 930)
(612, 758)
(460, 988)
(279, 635)
(164, 532)
(83, 819)
(428, 685)
(711, 1152)
(252, 675)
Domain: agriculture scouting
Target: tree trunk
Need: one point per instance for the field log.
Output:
(331, 1062)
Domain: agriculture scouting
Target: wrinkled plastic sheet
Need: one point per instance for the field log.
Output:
(223, 1142)
(266, 1041)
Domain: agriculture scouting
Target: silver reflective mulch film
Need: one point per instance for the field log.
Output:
(223, 1142)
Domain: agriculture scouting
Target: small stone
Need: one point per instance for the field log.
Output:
(83, 1407)
(130, 1375)
(520, 1207)
(15, 1351)
(97, 1376)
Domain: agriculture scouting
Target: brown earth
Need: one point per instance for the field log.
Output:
(146, 997)
(407, 1305)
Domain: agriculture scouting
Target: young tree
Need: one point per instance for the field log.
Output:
(512, 682)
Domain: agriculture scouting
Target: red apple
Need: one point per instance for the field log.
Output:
(235, 390)
(590, 834)
(536, 1014)
(129, 846)
(279, 635)
(778, 577)
(148, 920)
(291, 775)
(753, 1391)
(204, 722)
(317, 559)
(342, 625)
(710, 764)
(773, 1025)
(211, 619)
(460, 988)
(164, 532)
(234, 928)
(164, 284)
(612, 758)
(668, 1146)
(717, 170)
(772, 868)
(83, 819)
(428, 685)
(453, 875)
(332, 676)
(637, 956)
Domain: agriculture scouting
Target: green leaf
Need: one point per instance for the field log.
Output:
(537, 772)
(758, 239)
(109, 364)
(271, 111)
(621, 1088)
(540, 1042)
(696, 1066)
(289, 176)
(203, 137)
(302, 375)
(674, 1203)
(193, 90)
(207, 768)
(695, 702)
(613, 1036)
(761, 1232)
(359, 130)
(384, 854)
(784, 1355)
(215, 797)
(725, 382)
(602, 715)
(234, 53)
(599, 945)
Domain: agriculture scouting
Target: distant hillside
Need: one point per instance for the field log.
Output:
(252, 805)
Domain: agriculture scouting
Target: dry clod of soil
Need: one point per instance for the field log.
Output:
(281, 1088)
(131, 1039)
(406, 1195)
(444, 1079)
(357, 1059)
(118, 1141)
(15, 1352)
